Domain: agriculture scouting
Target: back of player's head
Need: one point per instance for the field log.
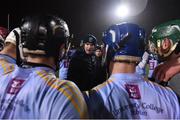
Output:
(164, 38)
(130, 50)
(43, 35)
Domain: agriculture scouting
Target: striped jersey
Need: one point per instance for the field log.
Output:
(130, 96)
(36, 93)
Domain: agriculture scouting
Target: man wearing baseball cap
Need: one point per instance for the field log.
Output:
(82, 65)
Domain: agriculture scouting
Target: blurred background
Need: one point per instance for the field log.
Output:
(93, 16)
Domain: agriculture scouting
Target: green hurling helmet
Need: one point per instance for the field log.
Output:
(164, 38)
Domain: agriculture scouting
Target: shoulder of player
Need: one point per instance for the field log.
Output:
(162, 90)
(54, 82)
(6, 67)
(64, 90)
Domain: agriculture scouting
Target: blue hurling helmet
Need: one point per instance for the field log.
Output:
(127, 40)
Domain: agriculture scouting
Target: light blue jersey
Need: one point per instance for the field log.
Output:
(36, 93)
(7, 58)
(4, 68)
(130, 96)
(64, 65)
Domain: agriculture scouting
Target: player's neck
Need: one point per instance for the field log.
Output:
(10, 50)
(42, 60)
(118, 67)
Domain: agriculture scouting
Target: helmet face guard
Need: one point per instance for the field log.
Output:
(165, 38)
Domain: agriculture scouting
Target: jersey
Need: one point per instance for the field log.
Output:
(36, 93)
(130, 96)
(3, 60)
(8, 58)
(64, 64)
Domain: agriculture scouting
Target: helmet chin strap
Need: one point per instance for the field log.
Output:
(21, 52)
(18, 56)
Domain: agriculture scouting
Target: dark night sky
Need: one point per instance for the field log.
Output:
(89, 16)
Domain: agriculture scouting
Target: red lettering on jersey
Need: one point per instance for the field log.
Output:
(133, 91)
(14, 86)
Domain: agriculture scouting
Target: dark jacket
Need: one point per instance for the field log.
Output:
(101, 75)
(82, 70)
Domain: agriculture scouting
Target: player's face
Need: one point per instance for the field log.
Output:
(89, 48)
(98, 53)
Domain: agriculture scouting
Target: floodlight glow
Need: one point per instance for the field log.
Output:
(122, 11)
